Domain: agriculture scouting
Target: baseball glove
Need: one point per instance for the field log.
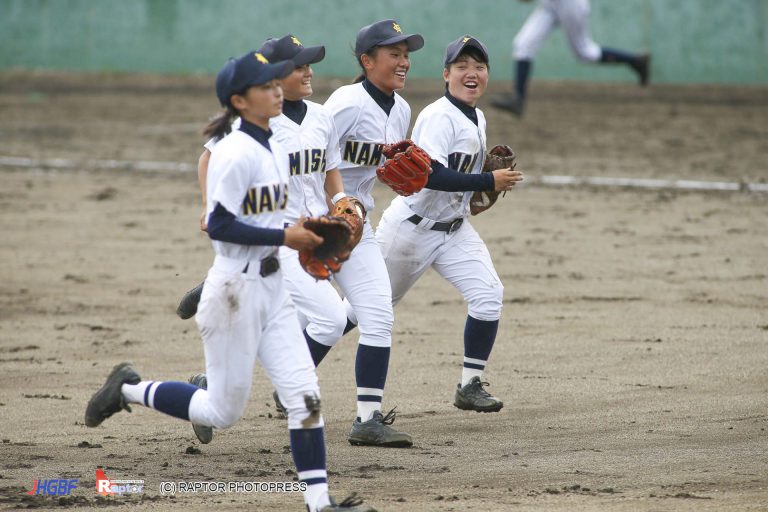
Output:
(352, 210)
(326, 258)
(500, 156)
(407, 168)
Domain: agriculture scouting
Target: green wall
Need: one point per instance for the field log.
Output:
(717, 41)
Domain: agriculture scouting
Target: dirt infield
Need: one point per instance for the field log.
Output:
(632, 353)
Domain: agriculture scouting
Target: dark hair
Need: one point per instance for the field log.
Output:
(221, 125)
(371, 53)
(470, 51)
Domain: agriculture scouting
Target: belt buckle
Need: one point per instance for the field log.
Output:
(455, 225)
(269, 265)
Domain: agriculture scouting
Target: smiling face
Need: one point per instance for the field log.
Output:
(298, 84)
(387, 67)
(467, 78)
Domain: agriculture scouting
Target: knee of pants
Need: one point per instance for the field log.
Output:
(226, 413)
(375, 324)
(521, 50)
(303, 409)
(487, 305)
(330, 328)
(587, 52)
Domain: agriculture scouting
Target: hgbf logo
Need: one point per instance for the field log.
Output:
(107, 487)
(54, 487)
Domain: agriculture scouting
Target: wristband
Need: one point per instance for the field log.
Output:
(336, 197)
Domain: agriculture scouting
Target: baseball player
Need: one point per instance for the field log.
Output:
(368, 114)
(431, 228)
(306, 131)
(245, 312)
(573, 16)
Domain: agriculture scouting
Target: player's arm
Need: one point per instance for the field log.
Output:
(334, 186)
(224, 227)
(202, 176)
(449, 180)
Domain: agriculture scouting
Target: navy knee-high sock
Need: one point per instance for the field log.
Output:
(611, 55)
(479, 337)
(371, 366)
(317, 350)
(308, 451)
(522, 75)
(170, 397)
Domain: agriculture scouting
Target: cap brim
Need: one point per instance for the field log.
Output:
(309, 55)
(414, 41)
(272, 72)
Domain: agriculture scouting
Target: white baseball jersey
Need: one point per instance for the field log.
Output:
(312, 149)
(572, 15)
(451, 138)
(251, 182)
(363, 129)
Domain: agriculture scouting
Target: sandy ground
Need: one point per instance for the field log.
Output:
(631, 356)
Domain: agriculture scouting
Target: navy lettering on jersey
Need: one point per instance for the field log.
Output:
(265, 199)
(306, 161)
(462, 162)
(362, 153)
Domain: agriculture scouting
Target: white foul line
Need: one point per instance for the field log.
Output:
(592, 181)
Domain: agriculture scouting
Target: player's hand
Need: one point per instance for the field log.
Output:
(297, 237)
(203, 218)
(506, 179)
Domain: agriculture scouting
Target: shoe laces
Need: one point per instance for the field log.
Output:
(352, 500)
(482, 384)
(389, 418)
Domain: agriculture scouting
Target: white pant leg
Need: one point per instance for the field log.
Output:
(318, 303)
(230, 324)
(573, 16)
(408, 250)
(365, 283)
(284, 355)
(534, 31)
(465, 262)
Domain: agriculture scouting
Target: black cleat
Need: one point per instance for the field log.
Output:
(203, 433)
(473, 397)
(188, 305)
(377, 432)
(109, 399)
(643, 69)
(282, 412)
(510, 104)
(350, 504)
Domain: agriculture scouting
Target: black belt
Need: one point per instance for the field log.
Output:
(269, 266)
(448, 227)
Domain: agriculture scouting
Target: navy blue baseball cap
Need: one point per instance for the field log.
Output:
(383, 33)
(290, 48)
(455, 47)
(253, 68)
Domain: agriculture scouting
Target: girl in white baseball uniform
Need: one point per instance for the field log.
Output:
(369, 114)
(573, 16)
(431, 228)
(245, 313)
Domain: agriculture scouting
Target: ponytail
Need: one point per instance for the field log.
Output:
(221, 125)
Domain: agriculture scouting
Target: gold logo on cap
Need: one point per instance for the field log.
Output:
(295, 41)
(397, 28)
(261, 58)
(465, 40)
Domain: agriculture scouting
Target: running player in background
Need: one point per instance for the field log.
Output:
(431, 228)
(245, 313)
(573, 16)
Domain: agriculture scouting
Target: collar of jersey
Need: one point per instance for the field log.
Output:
(385, 102)
(295, 110)
(258, 134)
(468, 111)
